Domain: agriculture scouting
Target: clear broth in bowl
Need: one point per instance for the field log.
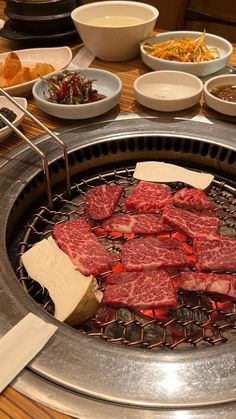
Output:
(115, 21)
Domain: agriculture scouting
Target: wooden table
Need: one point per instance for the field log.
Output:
(127, 71)
(12, 403)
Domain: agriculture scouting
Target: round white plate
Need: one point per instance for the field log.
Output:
(104, 82)
(198, 69)
(168, 91)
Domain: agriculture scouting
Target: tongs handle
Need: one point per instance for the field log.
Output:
(36, 149)
(39, 152)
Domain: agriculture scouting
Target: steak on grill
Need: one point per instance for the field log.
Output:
(101, 201)
(151, 253)
(189, 223)
(191, 198)
(149, 197)
(135, 223)
(215, 253)
(208, 282)
(87, 253)
(143, 290)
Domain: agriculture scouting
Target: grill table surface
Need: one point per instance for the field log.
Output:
(12, 403)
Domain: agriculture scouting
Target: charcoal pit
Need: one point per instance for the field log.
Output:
(160, 361)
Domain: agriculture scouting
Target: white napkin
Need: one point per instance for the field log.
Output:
(19, 346)
(82, 59)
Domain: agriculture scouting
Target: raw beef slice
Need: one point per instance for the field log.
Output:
(149, 197)
(101, 201)
(191, 198)
(151, 253)
(215, 283)
(87, 253)
(189, 223)
(136, 224)
(143, 290)
(215, 253)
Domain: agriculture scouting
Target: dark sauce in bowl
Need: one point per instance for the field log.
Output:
(226, 92)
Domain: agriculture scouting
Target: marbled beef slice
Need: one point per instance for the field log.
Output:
(101, 201)
(215, 253)
(135, 223)
(87, 253)
(223, 284)
(148, 197)
(189, 223)
(192, 198)
(143, 290)
(151, 253)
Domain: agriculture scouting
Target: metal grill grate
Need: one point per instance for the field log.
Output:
(197, 319)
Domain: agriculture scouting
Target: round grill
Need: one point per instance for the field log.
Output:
(198, 319)
(78, 367)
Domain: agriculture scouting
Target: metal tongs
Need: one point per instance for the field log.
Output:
(36, 149)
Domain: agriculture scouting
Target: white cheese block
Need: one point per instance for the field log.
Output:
(154, 171)
(76, 297)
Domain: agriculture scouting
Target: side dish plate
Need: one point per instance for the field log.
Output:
(226, 107)
(58, 57)
(204, 68)
(168, 91)
(4, 102)
(104, 82)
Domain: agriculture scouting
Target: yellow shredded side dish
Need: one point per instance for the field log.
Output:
(184, 50)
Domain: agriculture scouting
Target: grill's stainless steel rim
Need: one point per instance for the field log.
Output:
(82, 407)
(186, 378)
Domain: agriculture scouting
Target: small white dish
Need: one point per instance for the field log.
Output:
(224, 47)
(104, 82)
(168, 91)
(59, 57)
(4, 102)
(223, 106)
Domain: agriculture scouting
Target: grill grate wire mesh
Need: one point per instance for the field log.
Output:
(199, 318)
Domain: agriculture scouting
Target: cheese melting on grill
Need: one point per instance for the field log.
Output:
(154, 171)
(76, 297)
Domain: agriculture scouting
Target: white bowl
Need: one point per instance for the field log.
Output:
(198, 69)
(59, 57)
(119, 40)
(4, 102)
(104, 82)
(168, 91)
(220, 105)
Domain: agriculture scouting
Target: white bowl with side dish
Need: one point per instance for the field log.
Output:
(113, 30)
(105, 82)
(168, 91)
(58, 57)
(220, 105)
(197, 68)
(5, 103)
